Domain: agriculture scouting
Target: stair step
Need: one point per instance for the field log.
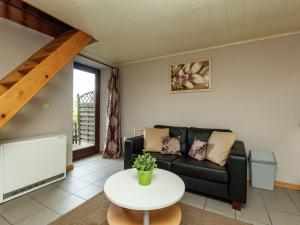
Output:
(59, 41)
(67, 33)
(65, 36)
(3, 89)
(39, 57)
(27, 67)
(53, 46)
(9, 83)
(10, 80)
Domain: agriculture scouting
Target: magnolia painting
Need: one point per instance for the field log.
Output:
(193, 76)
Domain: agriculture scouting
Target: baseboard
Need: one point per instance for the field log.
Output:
(287, 185)
(70, 167)
(281, 184)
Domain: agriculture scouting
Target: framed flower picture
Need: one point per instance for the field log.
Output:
(192, 76)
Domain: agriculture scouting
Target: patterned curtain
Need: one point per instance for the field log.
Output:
(113, 144)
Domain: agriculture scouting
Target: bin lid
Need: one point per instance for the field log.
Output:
(262, 157)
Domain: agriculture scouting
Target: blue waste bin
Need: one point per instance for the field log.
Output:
(262, 169)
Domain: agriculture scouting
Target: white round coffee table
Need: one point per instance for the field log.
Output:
(123, 190)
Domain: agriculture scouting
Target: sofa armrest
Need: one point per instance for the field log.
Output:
(237, 166)
(133, 145)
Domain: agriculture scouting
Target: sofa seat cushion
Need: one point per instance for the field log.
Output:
(163, 161)
(205, 169)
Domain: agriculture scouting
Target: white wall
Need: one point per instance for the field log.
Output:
(17, 43)
(255, 92)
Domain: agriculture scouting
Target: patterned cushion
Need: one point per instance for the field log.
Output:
(198, 150)
(171, 145)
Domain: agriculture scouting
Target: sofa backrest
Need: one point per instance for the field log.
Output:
(202, 134)
(178, 131)
(188, 135)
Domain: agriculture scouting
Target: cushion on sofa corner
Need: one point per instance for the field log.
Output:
(219, 146)
(153, 139)
(201, 134)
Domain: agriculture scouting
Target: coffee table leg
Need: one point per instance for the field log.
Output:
(146, 217)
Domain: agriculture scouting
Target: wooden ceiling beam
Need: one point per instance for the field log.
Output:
(25, 14)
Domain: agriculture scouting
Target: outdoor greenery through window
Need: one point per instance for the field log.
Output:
(83, 109)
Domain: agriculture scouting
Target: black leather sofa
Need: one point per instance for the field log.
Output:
(228, 182)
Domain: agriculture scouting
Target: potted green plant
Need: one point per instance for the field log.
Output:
(145, 164)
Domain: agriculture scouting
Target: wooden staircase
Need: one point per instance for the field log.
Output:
(23, 83)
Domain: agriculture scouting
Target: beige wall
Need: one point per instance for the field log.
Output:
(255, 92)
(17, 43)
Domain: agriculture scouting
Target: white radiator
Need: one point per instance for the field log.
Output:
(31, 163)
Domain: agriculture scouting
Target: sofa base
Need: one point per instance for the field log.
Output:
(236, 206)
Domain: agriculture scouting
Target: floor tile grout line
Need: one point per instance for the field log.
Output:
(60, 201)
(205, 203)
(52, 208)
(73, 193)
(69, 183)
(89, 183)
(280, 209)
(96, 180)
(55, 201)
(105, 176)
(85, 163)
(254, 220)
(220, 209)
(32, 213)
(6, 220)
(95, 163)
(291, 214)
(88, 198)
(90, 173)
(77, 179)
(292, 200)
(48, 207)
(262, 196)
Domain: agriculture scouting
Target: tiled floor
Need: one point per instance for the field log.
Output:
(279, 207)
(45, 205)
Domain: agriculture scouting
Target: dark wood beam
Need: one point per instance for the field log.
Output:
(29, 16)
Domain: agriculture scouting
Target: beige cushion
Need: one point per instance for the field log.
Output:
(219, 145)
(153, 139)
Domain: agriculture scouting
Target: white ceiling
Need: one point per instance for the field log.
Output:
(132, 30)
